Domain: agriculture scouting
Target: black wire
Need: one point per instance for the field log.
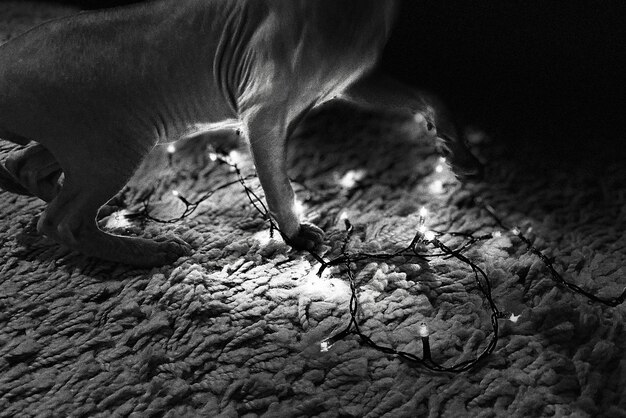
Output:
(412, 251)
(549, 263)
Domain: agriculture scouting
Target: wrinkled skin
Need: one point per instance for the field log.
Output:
(90, 95)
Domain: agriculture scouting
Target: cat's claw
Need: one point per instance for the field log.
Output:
(309, 237)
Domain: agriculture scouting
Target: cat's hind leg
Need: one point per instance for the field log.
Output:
(70, 218)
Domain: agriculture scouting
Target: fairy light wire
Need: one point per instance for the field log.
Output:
(549, 262)
(426, 361)
(346, 259)
(415, 250)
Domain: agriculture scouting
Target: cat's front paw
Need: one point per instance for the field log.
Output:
(309, 237)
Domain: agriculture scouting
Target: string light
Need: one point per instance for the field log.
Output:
(190, 207)
(436, 187)
(549, 263)
(424, 335)
(171, 149)
(234, 158)
(351, 178)
(429, 236)
(422, 215)
(182, 198)
(423, 232)
(514, 318)
(349, 259)
(327, 343)
(419, 118)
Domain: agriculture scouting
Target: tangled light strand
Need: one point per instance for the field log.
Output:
(549, 263)
(422, 238)
(412, 251)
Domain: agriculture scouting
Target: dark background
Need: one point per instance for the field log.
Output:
(544, 73)
(550, 73)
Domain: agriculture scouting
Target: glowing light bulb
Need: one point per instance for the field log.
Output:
(422, 219)
(212, 156)
(176, 193)
(436, 187)
(351, 178)
(235, 156)
(423, 330)
(327, 343)
(299, 208)
(171, 149)
(424, 333)
(419, 118)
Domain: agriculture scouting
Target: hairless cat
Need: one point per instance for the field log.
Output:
(91, 94)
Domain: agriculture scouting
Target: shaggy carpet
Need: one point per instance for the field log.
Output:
(234, 329)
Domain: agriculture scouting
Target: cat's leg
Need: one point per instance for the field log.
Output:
(378, 91)
(268, 128)
(90, 181)
(432, 119)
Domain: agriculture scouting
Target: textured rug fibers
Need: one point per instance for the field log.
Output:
(235, 328)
